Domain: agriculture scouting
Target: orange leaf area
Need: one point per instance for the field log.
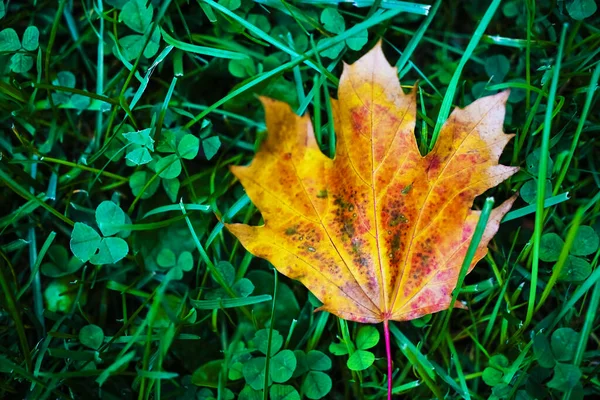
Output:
(380, 232)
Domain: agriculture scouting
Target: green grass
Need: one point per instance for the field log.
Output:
(119, 279)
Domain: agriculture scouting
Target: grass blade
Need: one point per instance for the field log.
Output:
(541, 188)
(453, 85)
(218, 304)
(205, 51)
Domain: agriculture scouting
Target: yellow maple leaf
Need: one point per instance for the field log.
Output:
(380, 232)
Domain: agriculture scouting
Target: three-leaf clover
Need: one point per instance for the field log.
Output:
(317, 384)
(243, 287)
(179, 144)
(21, 61)
(494, 374)
(360, 358)
(140, 146)
(558, 353)
(282, 363)
(177, 265)
(576, 268)
(528, 191)
(59, 264)
(87, 245)
(334, 22)
(138, 18)
(78, 101)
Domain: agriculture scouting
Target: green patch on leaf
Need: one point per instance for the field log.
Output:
(283, 392)
(581, 9)
(168, 167)
(21, 63)
(360, 360)
(109, 218)
(59, 295)
(282, 366)
(550, 247)
(575, 270)
(140, 181)
(91, 336)
(84, 241)
(171, 187)
(59, 264)
(332, 51)
(231, 4)
(586, 241)
(333, 21)
(497, 67)
(31, 38)
(242, 68)
(133, 45)
(136, 15)
(533, 163)
(316, 385)
(141, 138)
(254, 373)
(566, 376)
(188, 147)
(529, 190)
(111, 251)
(207, 375)
(543, 352)
(210, 146)
(261, 341)
(564, 344)
(357, 41)
(9, 40)
(367, 337)
(318, 361)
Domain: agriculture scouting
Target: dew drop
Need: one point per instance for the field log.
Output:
(389, 232)
(354, 215)
(351, 208)
(311, 249)
(301, 238)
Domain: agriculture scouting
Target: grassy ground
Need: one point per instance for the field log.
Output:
(112, 111)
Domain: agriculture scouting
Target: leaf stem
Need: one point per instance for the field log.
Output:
(268, 358)
(82, 167)
(388, 352)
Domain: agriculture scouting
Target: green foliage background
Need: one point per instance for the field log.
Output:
(119, 119)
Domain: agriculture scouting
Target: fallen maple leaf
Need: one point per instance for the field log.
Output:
(380, 232)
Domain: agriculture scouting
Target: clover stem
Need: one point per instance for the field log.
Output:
(388, 351)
